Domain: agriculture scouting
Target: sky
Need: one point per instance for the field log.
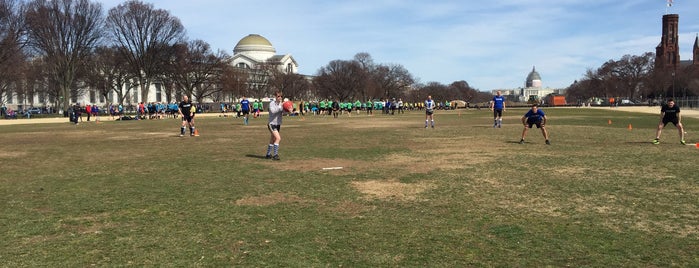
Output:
(491, 44)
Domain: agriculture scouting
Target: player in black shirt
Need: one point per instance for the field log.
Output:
(670, 113)
(185, 110)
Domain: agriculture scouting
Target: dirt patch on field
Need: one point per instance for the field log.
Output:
(351, 209)
(270, 199)
(9, 154)
(392, 189)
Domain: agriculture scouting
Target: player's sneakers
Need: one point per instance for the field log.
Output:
(548, 142)
(181, 135)
(656, 141)
(521, 141)
(276, 157)
(683, 142)
(268, 156)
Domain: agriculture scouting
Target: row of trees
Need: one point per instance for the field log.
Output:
(57, 49)
(362, 79)
(637, 78)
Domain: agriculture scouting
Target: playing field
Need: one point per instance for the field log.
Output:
(379, 191)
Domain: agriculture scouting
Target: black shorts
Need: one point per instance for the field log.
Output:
(246, 112)
(675, 121)
(532, 122)
(187, 118)
(497, 113)
(273, 127)
(429, 112)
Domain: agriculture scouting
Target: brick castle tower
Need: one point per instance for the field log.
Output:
(667, 53)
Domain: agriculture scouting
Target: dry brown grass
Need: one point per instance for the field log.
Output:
(392, 189)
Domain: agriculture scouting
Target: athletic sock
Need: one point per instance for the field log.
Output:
(426, 122)
(432, 123)
(276, 149)
(269, 148)
(182, 130)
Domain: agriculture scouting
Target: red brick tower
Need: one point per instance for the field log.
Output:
(667, 53)
(695, 59)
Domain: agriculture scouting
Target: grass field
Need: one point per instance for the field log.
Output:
(134, 193)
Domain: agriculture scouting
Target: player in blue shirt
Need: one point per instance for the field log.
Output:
(535, 117)
(497, 106)
(245, 108)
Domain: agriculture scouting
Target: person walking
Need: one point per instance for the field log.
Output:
(186, 111)
(497, 106)
(535, 116)
(670, 113)
(429, 111)
(275, 123)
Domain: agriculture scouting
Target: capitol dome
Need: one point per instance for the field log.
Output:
(533, 79)
(256, 46)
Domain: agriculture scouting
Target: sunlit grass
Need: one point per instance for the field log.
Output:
(134, 193)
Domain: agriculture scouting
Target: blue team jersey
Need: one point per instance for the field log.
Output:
(498, 102)
(534, 117)
(245, 105)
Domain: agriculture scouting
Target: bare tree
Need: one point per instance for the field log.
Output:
(392, 79)
(294, 86)
(12, 57)
(64, 32)
(234, 81)
(108, 72)
(368, 87)
(144, 35)
(339, 80)
(196, 70)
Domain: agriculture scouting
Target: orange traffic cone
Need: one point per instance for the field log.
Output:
(609, 122)
(196, 133)
(630, 127)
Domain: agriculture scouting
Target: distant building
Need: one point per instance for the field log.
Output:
(667, 53)
(257, 56)
(253, 53)
(533, 88)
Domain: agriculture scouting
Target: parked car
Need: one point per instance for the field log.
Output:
(34, 110)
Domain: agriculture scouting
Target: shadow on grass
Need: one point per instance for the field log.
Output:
(255, 156)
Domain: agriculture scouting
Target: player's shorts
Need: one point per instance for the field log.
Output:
(273, 127)
(186, 117)
(429, 112)
(534, 122)
(497, 112)
(675, 121)
(245, 112)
